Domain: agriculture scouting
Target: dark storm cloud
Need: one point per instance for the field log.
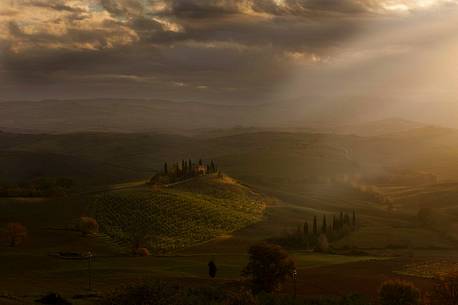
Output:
(58, 5)
(307, 8)
(216, 49)
(204, 9)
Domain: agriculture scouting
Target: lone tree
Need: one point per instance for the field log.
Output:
(88, 226)
(16, 233)
(212, 269)
(269, 265)
(166, 170)
(396, 292)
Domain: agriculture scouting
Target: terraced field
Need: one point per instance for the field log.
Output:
(165, 219)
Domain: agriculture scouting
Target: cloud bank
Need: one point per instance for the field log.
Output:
(219, 51)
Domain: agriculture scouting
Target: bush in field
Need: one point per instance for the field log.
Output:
(88, 226)
(323, 244)
(445, 291)
(269, 265)
(429, 218)
(397, 292)
(16, 233)
(54, 299)
(142, 252)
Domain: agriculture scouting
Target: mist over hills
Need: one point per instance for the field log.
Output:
(247, 154)
(131, 138)
(120, 115)
(190, 118)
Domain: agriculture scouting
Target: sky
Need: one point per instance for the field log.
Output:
(388, 54)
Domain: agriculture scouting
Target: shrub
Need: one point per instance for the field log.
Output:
(16, 233)
(142, 252)
(428, 217)
(53, 299)
(323, 244)
(445, 291)
(88, 226)
(269, 265)
(397, 292)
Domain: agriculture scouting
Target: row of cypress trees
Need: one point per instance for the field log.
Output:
(189, 168)
(312, 235)
(340, 222)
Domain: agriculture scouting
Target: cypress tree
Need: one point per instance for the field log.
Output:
(315, 228)
(341, 220)
(324, 226)
(306, 228)
(200, 161)
(212, 166)
(354, 219)
(177, 166)
(334, 223)
(166, 170)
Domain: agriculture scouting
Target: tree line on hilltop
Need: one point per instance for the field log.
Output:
(184, 170)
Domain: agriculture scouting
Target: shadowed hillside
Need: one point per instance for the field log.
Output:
(256, 156)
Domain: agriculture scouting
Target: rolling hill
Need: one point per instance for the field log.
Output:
(255, 156)
(172, 218)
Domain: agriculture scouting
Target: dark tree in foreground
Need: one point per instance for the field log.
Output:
(396, 292)
(315, 228)
(268, 267)
(16, 233)
(212, 269)
(88, 226)
(445, 291)
(166, 170)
